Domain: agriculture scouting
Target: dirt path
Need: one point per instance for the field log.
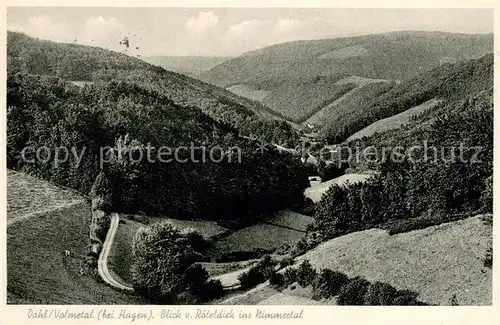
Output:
(102, 263)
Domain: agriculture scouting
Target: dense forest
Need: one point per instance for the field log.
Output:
(397, 55)
(79, 63)
(126, 112)
(452, 179)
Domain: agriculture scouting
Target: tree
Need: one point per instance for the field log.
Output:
(328, 283)
(380, 294)
(101, 193)
(305, 274)
(353, 294)
(162, 263)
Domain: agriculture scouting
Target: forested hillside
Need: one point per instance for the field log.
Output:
(448, 176)
(396, 55)
(448, 82)
(128, 110)
(79, 63)
(298, 79)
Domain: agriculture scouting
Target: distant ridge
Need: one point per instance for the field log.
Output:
(311, 67)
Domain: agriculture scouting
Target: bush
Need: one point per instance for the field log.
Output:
(266, 261)
(251, 278)
(277, 279)
(284, 249)
(354, 292)
(427, 220)
(328, 283)
(300, 247)
(287, 261)
(309, 208)
(195, 278)
(91, 260)
(214, 289)
(163, 261)
(380, 294)
(305, 274)
(258, 273)
(406, 298)
(290, 276)
(101, 193)
(196, 241)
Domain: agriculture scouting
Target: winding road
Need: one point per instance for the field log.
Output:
(102, 263)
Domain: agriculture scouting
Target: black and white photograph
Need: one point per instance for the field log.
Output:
(236, 156)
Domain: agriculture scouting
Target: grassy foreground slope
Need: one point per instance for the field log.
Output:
(437, 262)
(39, 273)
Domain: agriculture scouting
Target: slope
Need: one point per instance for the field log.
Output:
(298, 78)
(364, 90)
(134, 106)
(395, 55)
(437, 262)
(84, 63)
(448, 82)
(38, 272)
(395, 121)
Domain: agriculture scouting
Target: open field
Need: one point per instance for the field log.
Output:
(290, 219)
(37, 271)
(316, 191)
(282, 227)
(260, 236)
(27, 195)
(394, 121)
(437, 262)
(215, 269)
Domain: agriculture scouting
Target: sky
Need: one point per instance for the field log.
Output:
(228, 31)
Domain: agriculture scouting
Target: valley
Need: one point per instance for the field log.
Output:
(310, 212)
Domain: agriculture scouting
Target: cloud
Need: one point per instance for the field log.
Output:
(102, 31)
(97, 31)
(245, 28)
(286, 25)
(204, 20)
(43, 27)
